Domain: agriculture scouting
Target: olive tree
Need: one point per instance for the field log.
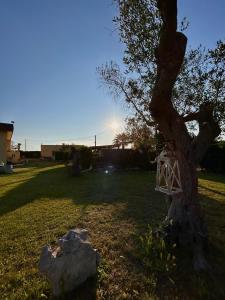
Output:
(172, 88)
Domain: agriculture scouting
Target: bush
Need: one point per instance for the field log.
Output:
(85, 157)
(214, 159)
(61, 155)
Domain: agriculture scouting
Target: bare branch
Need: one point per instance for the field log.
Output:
(191, 117)
(130, 100)
(112, 77)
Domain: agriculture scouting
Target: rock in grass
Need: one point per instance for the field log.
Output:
(71, 263)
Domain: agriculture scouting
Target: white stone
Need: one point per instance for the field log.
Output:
(71, 263)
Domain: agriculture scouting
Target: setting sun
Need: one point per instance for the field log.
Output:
(114, 125)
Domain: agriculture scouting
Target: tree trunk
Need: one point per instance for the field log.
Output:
(186, 223)
(186, 226)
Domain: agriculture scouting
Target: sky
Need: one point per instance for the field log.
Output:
(49, 52)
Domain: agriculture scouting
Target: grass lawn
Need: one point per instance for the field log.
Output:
(40, 203)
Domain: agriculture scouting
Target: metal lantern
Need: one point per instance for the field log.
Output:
(168, 173)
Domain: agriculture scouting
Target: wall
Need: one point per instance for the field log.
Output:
(2, 147)
(13, 156)
(47, 150)
(125, 158)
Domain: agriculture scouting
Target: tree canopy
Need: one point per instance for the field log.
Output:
(199, 91)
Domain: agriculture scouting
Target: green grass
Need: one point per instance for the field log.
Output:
(40, 203)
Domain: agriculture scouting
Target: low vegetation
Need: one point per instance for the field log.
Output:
(41, 202)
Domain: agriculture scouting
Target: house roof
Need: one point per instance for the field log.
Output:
(6, 127)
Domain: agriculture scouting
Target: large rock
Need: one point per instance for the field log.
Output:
(71, 263)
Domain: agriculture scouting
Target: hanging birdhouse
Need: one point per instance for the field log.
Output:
(168, 173)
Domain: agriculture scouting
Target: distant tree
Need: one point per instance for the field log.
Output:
(171, 88)
(121, 140)
(140, 134)
(16, 147)
(65, 148)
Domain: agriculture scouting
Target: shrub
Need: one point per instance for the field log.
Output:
(61, 155)
(214, 159)
(85, 157)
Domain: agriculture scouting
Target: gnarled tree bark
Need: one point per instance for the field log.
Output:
(188, 227)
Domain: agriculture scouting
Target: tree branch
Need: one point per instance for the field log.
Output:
(112, 77)
(191, 117)
(130, 100)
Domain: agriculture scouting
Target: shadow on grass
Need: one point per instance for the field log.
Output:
(211, 190)
(218, 178)
(11, 183)
(89, 189)
(86, 291)
(26, 192)
(142, 205)
(130, 189)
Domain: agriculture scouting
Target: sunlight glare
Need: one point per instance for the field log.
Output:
(114, 125)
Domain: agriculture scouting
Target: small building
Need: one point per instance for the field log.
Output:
(14, 156)
(49, 151)
(6, 132)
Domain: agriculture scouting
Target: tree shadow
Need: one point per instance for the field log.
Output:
(11, 183)
(55, 184)
(133, 191)
(30, 189)
(211, 190)
(141, 206)
(90, 188)
(215, 177)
